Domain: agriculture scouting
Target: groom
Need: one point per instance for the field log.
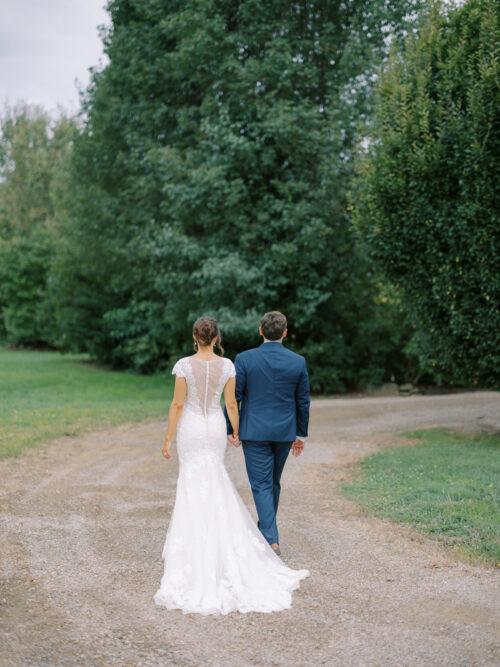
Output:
(272, 390)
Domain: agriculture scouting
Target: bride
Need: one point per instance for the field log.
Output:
(216, 559)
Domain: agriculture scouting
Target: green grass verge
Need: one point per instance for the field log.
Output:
(44, 395)
(446, 486)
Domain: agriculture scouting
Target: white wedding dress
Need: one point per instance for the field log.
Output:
(216, 559)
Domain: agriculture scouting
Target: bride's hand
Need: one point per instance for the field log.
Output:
(234, 440)
(166, 449)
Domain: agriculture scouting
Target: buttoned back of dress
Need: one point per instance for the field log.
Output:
(205, 382)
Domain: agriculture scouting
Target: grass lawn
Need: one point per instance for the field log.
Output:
(446, 486)
(45, 395)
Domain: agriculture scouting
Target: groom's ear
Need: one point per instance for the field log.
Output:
(285, 333)
(260, 331)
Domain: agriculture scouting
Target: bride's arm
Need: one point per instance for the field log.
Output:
(174, 412)
(232, 405)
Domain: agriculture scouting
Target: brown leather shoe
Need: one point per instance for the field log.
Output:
(276, 549)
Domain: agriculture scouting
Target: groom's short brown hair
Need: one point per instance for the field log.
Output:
(273, 325)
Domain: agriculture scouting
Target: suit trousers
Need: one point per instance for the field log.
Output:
(264, 462)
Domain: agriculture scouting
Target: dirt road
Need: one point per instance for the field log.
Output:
(83, 522)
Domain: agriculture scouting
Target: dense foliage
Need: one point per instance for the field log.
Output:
(425, 197)
(209, 171)
(34, 154)
(211, 177)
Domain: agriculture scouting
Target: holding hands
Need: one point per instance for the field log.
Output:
(234, 440)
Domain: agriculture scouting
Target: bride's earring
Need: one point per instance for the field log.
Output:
(195, 345)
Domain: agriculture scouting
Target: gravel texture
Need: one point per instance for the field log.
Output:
(83, 522)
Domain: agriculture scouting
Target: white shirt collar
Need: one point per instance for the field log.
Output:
(273, 341)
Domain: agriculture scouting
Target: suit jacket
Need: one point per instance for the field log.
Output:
(272, 391)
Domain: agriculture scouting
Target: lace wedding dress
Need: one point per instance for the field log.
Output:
(215, 558)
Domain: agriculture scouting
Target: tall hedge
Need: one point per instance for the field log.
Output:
(425, 195)
(211, 177)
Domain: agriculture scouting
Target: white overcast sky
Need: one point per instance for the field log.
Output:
(45, 46)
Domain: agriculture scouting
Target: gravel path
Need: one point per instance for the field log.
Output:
(83, 522)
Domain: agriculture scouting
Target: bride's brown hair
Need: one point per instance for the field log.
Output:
(205, 329)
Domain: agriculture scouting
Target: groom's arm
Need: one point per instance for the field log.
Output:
(241, 383)
(302, 402)
(241, 378)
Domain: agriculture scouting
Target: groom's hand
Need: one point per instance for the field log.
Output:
(234, 440)
(297, 447)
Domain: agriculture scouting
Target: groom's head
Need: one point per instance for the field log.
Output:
(273, 325)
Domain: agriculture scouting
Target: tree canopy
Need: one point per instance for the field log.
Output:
(34, 161)
(211, 177)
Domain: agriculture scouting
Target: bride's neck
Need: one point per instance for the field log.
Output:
(205, 351)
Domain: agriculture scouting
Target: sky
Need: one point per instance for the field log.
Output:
(46, 46)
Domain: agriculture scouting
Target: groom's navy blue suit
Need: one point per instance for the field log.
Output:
(272, 391)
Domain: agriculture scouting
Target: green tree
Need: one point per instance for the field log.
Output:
(33, 149)
(211, 176)
(426, 189)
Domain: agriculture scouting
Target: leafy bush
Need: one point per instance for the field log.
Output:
(24, 263)
(425, 195)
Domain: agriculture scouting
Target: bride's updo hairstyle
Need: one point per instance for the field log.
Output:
(205, 329)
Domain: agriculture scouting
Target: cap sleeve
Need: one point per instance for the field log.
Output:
(179, 369)
(231, 370)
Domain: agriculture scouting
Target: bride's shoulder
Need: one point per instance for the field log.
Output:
(180, 367)
(229, 367)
